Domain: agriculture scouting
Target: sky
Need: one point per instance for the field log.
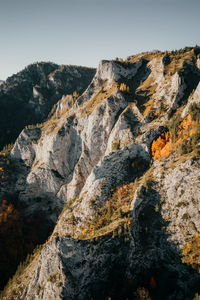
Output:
(82, 32)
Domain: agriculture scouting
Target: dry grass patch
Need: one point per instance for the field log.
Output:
(147, 89)
(191, 252)
(177, 61)
(146, 55)
(148, 86)
(114, 213)
(148, 107)
(98, 98)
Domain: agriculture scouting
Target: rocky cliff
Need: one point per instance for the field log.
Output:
(27, 97)
(114, 175)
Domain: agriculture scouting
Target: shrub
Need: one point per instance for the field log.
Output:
(185, 147)
(69, 203)
(7, 149)
(116, 208)
(124, 88)
(162, 146)
(72, 220)
(185, 134)
(180, 204)
(191, 253)
(174, 125)
(196, 137)
(186, 216)
(116, 145)
(157, 208)
(194, 111)
(52, 278)
(75, 96)
(196, 297)
(92, 202)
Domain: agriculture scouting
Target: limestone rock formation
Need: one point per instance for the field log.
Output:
(115, 173)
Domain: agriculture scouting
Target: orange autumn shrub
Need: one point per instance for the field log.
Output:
(185, 133)
(123, 192)
(186, 129)
(191, 253)
(162, 146)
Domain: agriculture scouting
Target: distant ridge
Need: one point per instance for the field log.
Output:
(27, 97)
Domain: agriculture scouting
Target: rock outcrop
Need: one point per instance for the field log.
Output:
(27, 97)
(124, 221)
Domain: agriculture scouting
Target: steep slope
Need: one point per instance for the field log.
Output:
(28, 96)
(121, 162)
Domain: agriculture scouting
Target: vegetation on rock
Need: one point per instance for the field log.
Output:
(129, 223)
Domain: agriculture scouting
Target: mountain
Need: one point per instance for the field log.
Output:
(109, 186)
(27, 97)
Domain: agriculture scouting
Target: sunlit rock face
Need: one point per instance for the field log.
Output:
(116, 174)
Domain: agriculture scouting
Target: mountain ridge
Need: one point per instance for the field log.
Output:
(27, 97)
(121, 162)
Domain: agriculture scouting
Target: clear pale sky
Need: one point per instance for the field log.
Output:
(81, 32)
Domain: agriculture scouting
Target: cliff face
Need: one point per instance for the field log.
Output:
(121, 162)
(28, 96)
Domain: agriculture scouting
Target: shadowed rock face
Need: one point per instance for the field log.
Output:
(127, 219)
(27, 97)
